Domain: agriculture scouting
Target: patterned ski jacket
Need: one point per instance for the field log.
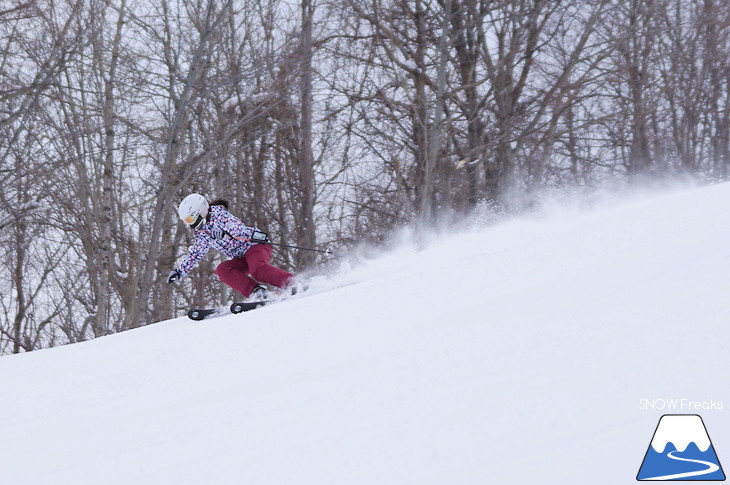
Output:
(222, 231)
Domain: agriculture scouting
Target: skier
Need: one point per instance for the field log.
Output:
(217, 228)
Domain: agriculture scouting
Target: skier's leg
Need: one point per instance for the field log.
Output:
(261, 270)
(234, 273)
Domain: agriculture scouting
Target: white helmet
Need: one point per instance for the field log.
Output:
(192, 210)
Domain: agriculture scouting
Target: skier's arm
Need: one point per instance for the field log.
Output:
(233, 226)
(199, 249)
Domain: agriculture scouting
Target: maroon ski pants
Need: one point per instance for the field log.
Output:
(243, 274)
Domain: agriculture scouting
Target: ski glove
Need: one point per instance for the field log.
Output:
(259, 237)
(174, 276)
(217, 233)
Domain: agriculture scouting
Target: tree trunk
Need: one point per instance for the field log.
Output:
(434, 145)
(466, 20)
(102, 297)
(307, 229)
(20, 251)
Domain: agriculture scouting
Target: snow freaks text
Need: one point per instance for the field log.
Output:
(680, 405)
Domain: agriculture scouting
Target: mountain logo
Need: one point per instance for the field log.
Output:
(681, 450)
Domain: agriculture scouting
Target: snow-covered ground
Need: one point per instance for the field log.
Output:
(517, 353)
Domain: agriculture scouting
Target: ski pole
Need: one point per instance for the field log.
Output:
(263, 238)
(325, 251)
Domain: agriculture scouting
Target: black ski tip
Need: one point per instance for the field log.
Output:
(246, 306)
(195, 314)
(200, 313)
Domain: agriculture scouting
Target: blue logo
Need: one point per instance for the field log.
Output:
(681, 450)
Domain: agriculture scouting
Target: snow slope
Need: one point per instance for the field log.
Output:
(512, 354)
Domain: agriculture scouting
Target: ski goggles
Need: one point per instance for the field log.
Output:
(194, 221)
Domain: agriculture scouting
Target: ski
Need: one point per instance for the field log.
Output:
(206, 313)
(240, 307)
